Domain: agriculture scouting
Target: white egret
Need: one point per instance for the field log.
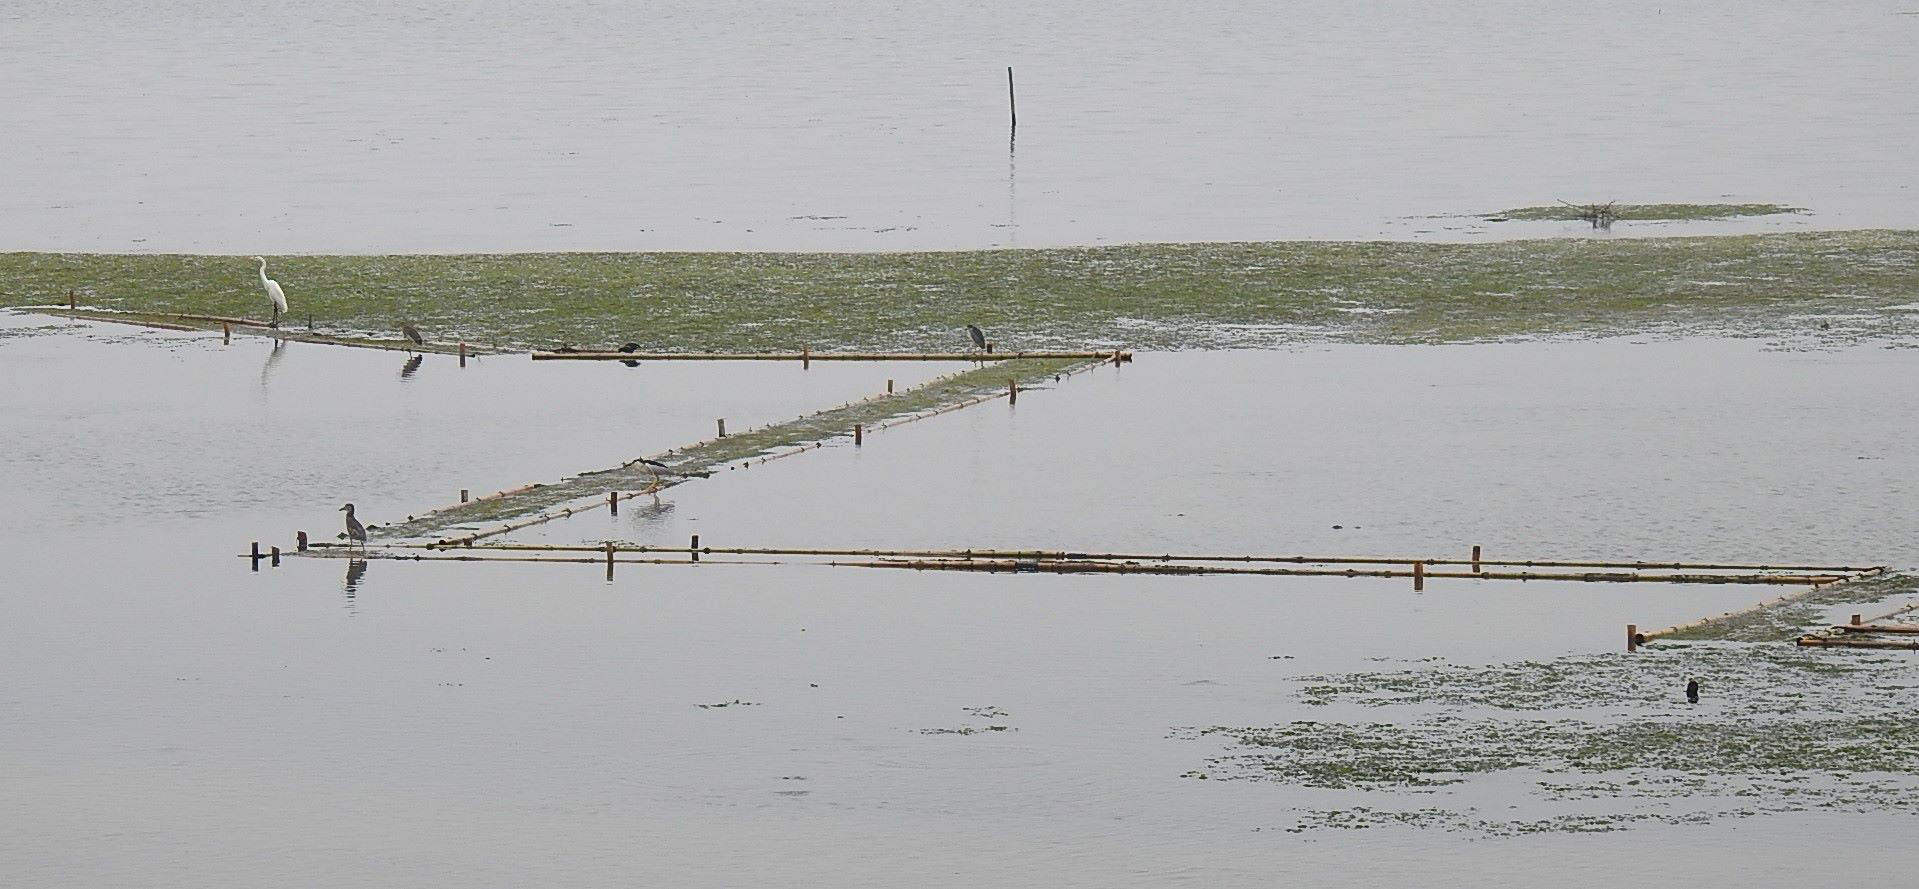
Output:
(274, 293)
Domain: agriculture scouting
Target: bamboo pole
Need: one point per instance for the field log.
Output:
(1032, 566)
(985, 553)
(807, 356)
(1810, 641)
(1856, 627)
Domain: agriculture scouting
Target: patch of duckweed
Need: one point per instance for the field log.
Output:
(1646, 212)
(1611, 739)
(1828, 286)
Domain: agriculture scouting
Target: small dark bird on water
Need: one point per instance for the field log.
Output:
(978, 335)
(1692, 691)
(630, 348)
(355, 531)
(412, 334)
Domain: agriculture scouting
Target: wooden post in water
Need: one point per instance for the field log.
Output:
(1012, 104)
(1475, 558)
(693, 549)
(889, 387)
(1632, 637)
(463, 353)
(1012, 392)
(300, 540)
(72, 303)
(276, 557)
(1855, 620)
(722, 427)
(226, 332)
(806, 357)
(465, 495)
(609, 560)
(1419, 577)
(256, 555)
(613, 503)
(858, 429)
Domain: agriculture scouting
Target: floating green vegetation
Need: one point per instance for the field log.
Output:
(1166, 296)
(1644, 212)
(1779, 729)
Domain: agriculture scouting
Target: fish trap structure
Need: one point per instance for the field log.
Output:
(1059, 561)
(1869, 633)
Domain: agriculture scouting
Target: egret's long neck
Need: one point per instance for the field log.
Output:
(263, 270)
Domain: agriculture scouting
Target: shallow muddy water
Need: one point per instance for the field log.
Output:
(431, 125)
(170, 718)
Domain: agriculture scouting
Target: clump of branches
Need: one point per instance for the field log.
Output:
(1601, 216)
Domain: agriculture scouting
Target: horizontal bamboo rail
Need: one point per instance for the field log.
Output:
(1043, 566)
(257, 327)
(1877, 628)
(1069, 555)
(808, 357)
(1829, 642)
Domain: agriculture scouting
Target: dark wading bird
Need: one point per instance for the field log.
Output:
(274, 294)
(412, 334)
(978, 335)
(630, 348)
(355, 532)
(1692, 691)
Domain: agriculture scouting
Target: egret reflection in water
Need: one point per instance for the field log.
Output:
(274, 355)
(412, 364)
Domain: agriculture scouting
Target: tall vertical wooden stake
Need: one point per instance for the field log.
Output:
(609, 560)
(857, 431)
(465, 495)
(462, 353)
(1632, 637)
(1012, 392)
(1475, 558)
(1012, 104)
(1419, 577)
(806, 357)
(613, 503)
(722, 427)
(276, 557)
(693, 548)
(889, 387)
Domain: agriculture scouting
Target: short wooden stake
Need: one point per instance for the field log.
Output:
(1419, 576)
(609, 560)
(889, 387)
(1475, 558)
(300, 540)
(613, 503)
(276, 557)
(256, 555)
(226, 332)
(1012, 392)
(1632, 637)
(693, 548)
(806, 357)
(857, 431)
(722, 427)
(1855, 620)
(989, 348)
(463, 353)
(72, 303)
(465, 495)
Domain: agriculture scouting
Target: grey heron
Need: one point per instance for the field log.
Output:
(412, 334)
(978, 335)
(274, 293)
(355, 532)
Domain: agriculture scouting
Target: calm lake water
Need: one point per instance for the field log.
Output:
(488, 125)
(170, 718)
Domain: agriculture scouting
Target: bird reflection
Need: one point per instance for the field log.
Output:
(654, 511)
(411, 365)
(273, 360)
(355, 569)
